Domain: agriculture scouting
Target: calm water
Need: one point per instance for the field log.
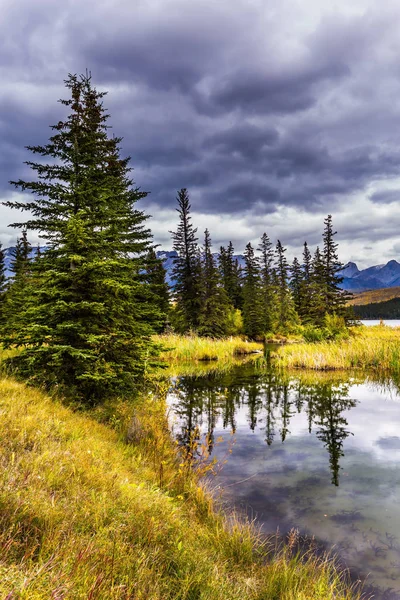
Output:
(312, 452)
(389, 322)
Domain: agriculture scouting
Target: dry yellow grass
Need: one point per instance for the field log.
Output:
(185, 348)
(375, 348)
(373, 296)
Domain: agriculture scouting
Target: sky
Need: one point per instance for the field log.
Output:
(272, 114)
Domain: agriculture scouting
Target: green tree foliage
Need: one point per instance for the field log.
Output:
(231, 276)
(3, 285)
(335, 298)
(267, 283)
(296, 284)
(303, 306)
(89, 317)
(317, 304)
(287, 316)
(253, 310)
(187, 268)
(155, 276)
(16, 299)
(214, 310)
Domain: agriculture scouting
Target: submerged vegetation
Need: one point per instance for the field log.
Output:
(376, 348)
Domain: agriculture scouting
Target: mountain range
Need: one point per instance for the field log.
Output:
(354, 279)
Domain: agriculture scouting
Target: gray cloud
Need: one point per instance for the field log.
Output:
(264, 116)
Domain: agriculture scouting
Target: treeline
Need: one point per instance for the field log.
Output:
(83, 312)
(215, 296)
(390, 309)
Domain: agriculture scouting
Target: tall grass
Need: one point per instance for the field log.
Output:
(86, 514)
(375, 348)
(185, 348)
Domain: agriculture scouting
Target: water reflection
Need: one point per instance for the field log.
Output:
(271, 400)
(319, 452)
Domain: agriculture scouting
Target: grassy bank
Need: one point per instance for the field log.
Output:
(375, 348)
(186, 348)
(87, 514)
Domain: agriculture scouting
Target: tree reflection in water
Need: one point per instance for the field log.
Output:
(271, 397)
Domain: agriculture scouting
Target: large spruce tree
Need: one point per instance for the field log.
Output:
(187, 268)
(287, 316)
(3, 285)
(231, 275)
(88, 322)
(267, 282)
(335, 298)
(214, 310)
(253, 312)
(155, 276)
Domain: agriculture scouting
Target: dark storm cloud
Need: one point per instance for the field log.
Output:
(256, 112)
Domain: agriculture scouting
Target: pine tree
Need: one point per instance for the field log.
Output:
(296, 284)
(268, 290)
(253, 311)
(335, 298)
(16, 299)
(158, 286)
(187, 268)
(317, 305)
(3, 285)
(231, 275)
(287, 316)
(88, 323)
(304, 307)
(213, 318)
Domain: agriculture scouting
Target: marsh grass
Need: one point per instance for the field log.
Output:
(186, 348)
(104, 507)
(369, 348)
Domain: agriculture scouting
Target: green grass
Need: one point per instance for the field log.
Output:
(186, 348)
(376, 348)
(86, 515)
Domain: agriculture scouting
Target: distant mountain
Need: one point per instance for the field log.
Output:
(354, 280)
(372, 278)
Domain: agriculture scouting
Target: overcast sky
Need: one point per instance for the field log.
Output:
(272, 113)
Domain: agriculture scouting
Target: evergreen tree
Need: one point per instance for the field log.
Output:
(187, 268)
(213, 317)
(3, 285)
(268, 289)
(88, 322)
(335, 298)
(158, 286)
(16, 298)
(253, 310)
(303, 307)
(287, 315)
(231, 276)
(296, 284)
(21, 256)
(317, 305)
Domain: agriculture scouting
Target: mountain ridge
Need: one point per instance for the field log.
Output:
(354, 280)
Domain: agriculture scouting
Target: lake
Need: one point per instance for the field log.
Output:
(388, 322)
(311, 451)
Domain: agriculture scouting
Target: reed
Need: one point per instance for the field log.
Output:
(91, 508)
(376, 348)
(186, 348)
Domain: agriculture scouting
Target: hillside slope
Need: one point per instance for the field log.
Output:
(373, 296)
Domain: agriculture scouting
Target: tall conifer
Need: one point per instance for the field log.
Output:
(335, 298)
(253, 313)
(187, 268)
(287, 315)
(213, 318)
(89, 321)
(267, 286)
